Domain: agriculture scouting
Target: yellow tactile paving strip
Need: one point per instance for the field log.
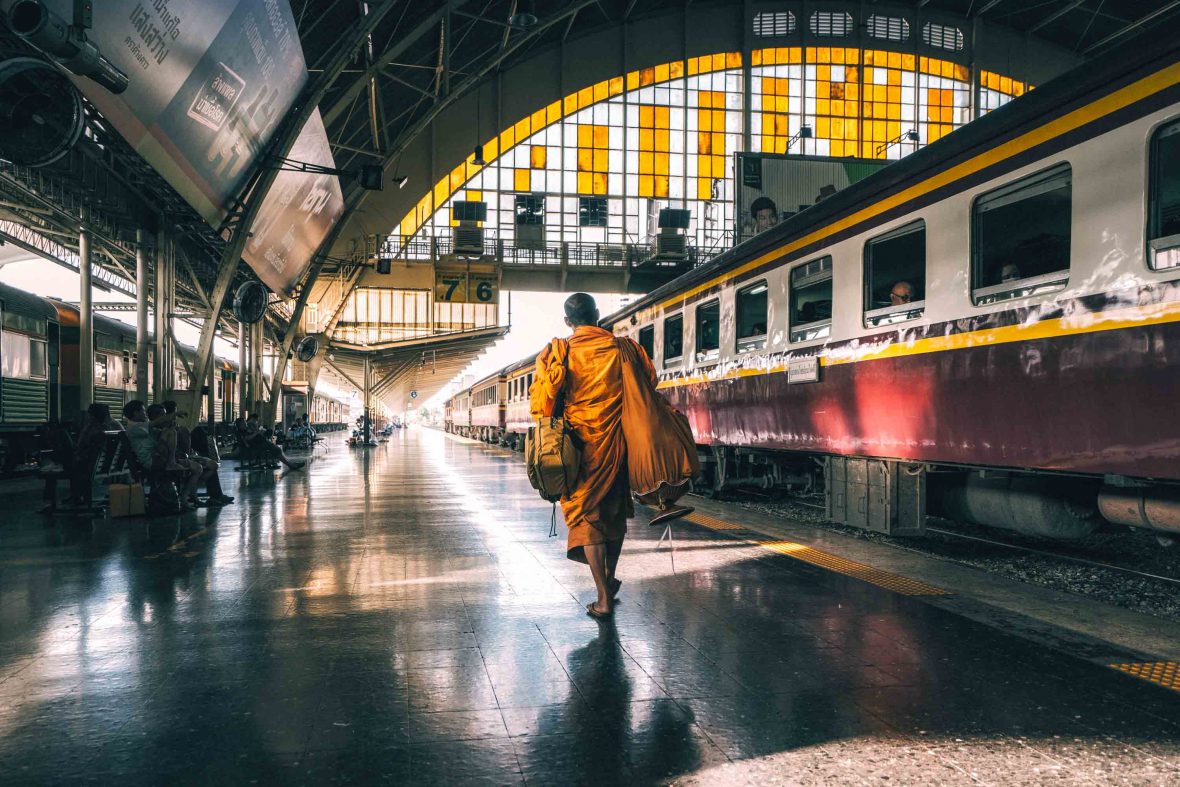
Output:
(1162, 673)
(834, 563)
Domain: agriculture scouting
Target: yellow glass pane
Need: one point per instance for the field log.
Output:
(585, 159)
(823, 107)
(474, 196)
(661, 72)
(507, 139)
(894, 94)
(733, 59)
(782, 126)
(662, 117)
(823, 54)
(838, 108)
(646, 76)
(851, 77)
(599, 182)
(705, 121)
(663, 140)
(585, 185)
(823, 73)
(600, 160)
(458, 176)
(647, 116)
(661, 186)
(522, 128)
(694, 66)
(538, 156)
(553, 112)
(570, 104)
(491, 148)
(851, 92)
(947, 115)
(441, 190)
(585, 136)
(756, 57)
(632, 80)
(647, 139)
(676, 69)
(893, 78)
(520, 180)
(601, 136)
(823, 128)
(837, 128)
(616, 86)
(662, 164)
(894, 112)
(1006, 85)
(646, 186)
(646, 163)
(719, 117)
(704, 142)
(907, 62)
(601, 91)
(585, 97)
(704, 189)
(705, 166)
(537, 120)
(837, 91)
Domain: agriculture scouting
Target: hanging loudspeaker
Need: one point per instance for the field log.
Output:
(41, 115)
(250, 302)
(308, 348)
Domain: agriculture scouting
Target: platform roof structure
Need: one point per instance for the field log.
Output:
(386, 76)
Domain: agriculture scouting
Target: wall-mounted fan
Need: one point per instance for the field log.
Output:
(41, 115)
(250, 302)
(309, 346)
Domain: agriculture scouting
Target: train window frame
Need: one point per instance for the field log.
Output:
(1011, 193)
(887, 315)
(106, 369)
(676, 319)
(44, 345)
(754, 341)
(701, 354)
(1163, 251)
(820, 328)
(651, 333)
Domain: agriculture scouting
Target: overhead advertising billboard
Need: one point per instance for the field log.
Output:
(772, 187)
(209, 81)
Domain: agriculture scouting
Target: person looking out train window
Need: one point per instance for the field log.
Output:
(901, 293)
(765, 214)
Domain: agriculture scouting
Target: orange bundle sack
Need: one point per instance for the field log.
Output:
(661, 452)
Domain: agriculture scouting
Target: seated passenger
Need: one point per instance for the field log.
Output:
(902, 292)
(204, 467)
(255, 437)
(1010, 272)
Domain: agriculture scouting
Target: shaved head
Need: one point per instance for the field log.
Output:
(580, 309)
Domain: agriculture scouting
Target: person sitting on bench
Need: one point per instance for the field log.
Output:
(152, 435)
(204, 467)
(256, 438)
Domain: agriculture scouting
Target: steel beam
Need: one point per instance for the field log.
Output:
(289, 341)
(85, 321)
(1138, 23)
(141, 315)
(255, 193)
(243, 371)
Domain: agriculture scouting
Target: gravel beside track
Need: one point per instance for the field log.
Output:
(1117, 548)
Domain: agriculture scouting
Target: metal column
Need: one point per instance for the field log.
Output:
(243, 370)
(85, 321)
(142, 351)
(367, 393)
(164, 361)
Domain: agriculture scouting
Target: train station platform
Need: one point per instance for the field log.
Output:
(399, 615)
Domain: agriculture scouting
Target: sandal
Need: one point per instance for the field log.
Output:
(594, 612)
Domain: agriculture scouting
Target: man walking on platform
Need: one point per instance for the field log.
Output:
(605, 387)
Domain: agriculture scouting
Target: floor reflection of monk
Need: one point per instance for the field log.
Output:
(604, 372)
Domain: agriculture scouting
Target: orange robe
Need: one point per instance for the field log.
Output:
(597, 510)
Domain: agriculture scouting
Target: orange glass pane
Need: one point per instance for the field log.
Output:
(601, 91)
(676, 69)
(585, 185)
(585, 160)
(782, 126)
(538, 156)
(704, 142)
(520, 179)
(823, 128)
(662, 164)
(522, 128)
(756, 57)
(704, 189)
(662, 117)
(661, 72)
(646, 186)
(646, 163)
(585, 136)
(694, 66)
(616, 86)
(647, 139)
(553, 112)
(661, 186)
(601, 136)
(733, 59)
(646, 76)
(599, 183)
(838, 107)
(474, 196)
(507, 139)
(632, 80)
(823, 107)
(570, 104)
(600, 160)
(647, 116)
(537, 120)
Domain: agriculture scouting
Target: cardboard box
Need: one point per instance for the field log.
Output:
(126, 500)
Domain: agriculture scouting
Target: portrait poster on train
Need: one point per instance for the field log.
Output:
(208, 83)
(772, 187)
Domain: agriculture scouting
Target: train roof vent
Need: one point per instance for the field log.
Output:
(942, 36)
(773, 24)
(834, 24)
(888, 28)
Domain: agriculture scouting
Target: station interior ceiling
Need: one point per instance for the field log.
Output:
(377, 94)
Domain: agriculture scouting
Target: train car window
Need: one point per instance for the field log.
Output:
(895, 275)
(1163, 227)
(101, 366)
(647, 340)
(811, 300)
(14, 355)
(1020, 237)
(751, 303)
(38, 359)
(673, 339)
(708, 331)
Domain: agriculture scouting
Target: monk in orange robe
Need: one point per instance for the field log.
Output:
(593, 374)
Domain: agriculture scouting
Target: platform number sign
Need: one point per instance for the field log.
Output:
(466, 284)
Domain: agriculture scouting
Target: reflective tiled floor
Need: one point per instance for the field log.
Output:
(399, 615)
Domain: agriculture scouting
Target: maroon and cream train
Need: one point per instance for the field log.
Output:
(990, 326)
(495, 409)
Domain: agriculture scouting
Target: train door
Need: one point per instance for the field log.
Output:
(52, 358)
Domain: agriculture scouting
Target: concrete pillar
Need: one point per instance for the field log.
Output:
(85, 321)
(142, 350)
(367, 394)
